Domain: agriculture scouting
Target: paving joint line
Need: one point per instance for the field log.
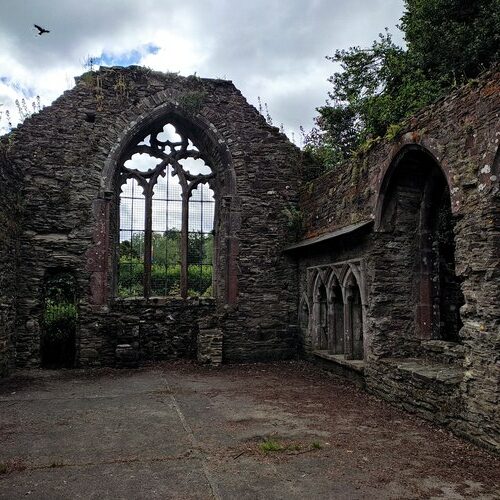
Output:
(194, 444)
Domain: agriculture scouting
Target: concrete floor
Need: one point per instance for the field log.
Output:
(183, 431)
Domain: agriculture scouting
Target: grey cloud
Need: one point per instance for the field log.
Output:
(254, 43)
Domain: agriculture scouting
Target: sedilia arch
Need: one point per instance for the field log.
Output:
(353, 317)
(320, 314)
(336, 344)
(198, 140)
(414, 214)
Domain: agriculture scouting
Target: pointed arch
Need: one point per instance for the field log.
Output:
(353, 313)
(413, 151)
(213, 151)
(304, 315)
(335, 316)
(320, 314)
(414, 208)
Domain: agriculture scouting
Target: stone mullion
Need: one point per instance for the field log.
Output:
(148, 240)
(184, 243)
(348, 333)
(316, 324)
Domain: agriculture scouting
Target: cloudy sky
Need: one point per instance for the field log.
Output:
(274, 49)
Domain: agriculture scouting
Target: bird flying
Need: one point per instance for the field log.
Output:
(41, 30)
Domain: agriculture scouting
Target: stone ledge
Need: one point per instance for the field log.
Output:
(426, 370)
(356, 365)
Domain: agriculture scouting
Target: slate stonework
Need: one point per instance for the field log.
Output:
(10, 205)
(58, 208)
(67, 154)
(461, 132)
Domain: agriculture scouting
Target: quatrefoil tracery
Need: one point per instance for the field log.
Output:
(161, 144)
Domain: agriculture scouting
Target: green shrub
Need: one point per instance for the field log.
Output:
(165, 280)
(59, 318)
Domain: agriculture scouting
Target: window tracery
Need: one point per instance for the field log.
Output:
(166, 216)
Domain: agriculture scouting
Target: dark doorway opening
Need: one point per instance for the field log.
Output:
(58, 338)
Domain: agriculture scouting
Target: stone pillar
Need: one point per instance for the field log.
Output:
(348, 326)
(316, 323)
(209, 342)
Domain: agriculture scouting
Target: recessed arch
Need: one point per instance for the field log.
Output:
(304, 315)
(414, 214)
(320, 313)
(354, 317)
(212, 149)
(335, 315)
(420, 154)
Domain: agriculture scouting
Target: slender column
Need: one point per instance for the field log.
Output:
(148, 241)
(331, 323)
(184, 244)
(348, 354)
(316, 323)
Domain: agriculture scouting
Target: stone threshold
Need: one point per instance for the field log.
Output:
(356, 365)
(428, 371)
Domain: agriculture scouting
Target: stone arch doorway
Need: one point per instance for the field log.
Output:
(415, 220)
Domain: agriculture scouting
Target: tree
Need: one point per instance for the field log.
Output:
(448, 41)
(453, 40)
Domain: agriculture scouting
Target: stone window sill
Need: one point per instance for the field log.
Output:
(163, 301)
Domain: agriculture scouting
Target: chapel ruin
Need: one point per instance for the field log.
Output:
(149, 216)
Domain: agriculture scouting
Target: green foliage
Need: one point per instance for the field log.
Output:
(270, 445)
(449, 41)
(165, 281)
(165, 266)
(295, 221)
(453, 40)
(392, 131)
(59, 320)
(193, 101)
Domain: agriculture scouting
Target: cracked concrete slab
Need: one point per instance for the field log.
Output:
(183, 431)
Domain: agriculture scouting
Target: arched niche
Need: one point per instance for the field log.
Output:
(336, 316)
(304, 316)
(353, 314)
(320, 315)
(414, 217)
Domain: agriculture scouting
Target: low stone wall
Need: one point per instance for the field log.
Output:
(156, 331)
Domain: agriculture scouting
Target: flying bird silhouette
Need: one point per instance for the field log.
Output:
(41, 30)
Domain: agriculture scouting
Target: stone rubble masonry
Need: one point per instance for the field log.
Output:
(66, 156)
(462, 132)
(58, 206)
(10, 206)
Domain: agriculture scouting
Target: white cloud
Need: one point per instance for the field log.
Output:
(269, 48)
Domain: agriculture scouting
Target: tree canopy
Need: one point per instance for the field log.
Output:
(448, 42)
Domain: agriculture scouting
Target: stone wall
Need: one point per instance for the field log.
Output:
(455, 383)
(59, 205)
(10, 205)
(68, 154)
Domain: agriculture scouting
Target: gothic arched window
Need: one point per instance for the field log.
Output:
(166, 217)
